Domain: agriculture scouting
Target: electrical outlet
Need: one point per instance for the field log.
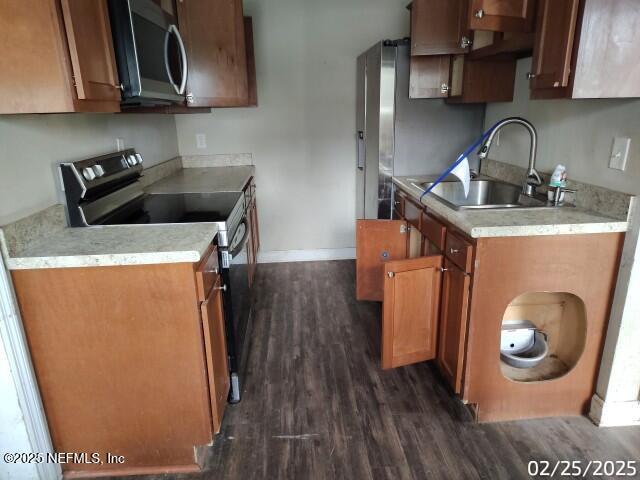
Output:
(119, 144)
(201, 140)
(620, 153)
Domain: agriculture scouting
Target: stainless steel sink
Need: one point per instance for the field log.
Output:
(483, 194)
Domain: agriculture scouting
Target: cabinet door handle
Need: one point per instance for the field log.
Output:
(479, 13)
(453, 251)
(223, 288)
(443, 269)
(531, 76)
(444, 89)
(391, 274)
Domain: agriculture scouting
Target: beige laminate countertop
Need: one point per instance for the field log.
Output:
(114, 245)
(126, 244)
(514, 222)
(204, 180)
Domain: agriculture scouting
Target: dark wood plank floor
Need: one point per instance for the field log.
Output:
(317, 405)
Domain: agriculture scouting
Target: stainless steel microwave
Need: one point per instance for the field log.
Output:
(150, 53)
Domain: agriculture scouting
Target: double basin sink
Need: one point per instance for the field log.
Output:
(484, 193)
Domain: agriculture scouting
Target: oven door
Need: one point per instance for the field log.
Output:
(151, 57)
(237, 302)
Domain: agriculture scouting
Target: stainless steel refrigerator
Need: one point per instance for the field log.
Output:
(396, 135)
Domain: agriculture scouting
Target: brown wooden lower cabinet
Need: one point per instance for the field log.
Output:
(410, 310)
(453, 324)
(212, 312)
(377, 242)
(129, 360)
(455, 314)
(389, 268)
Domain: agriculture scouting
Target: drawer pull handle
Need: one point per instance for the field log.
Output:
(442, 269)
(454, 251)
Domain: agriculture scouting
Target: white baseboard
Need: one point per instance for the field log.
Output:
(614, 414)
(279, 256)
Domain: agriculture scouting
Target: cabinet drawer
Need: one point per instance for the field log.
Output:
(412, 213)
(207, 272)
(434, 230)
(459, 251)
(398, 204)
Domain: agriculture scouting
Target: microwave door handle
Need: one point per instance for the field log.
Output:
(166, 58)
(183, 55)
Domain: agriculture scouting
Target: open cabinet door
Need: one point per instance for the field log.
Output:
(410, 311)
(377, 242)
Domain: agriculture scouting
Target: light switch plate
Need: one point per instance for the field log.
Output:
(620, 153)
(201, 140)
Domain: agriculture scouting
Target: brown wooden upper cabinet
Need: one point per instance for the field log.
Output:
(502, 15)
(586, 49)
(439, 27)
(480, 81)
(555, 33)
(58, 57)
(459, 79)
(252, 81)
(214, 36)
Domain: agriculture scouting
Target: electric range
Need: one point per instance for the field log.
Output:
(107, 190)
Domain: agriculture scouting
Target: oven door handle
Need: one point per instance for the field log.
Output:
(243, 242)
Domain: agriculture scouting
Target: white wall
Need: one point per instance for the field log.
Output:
(31, 146)
(302, 134)
(577, 133)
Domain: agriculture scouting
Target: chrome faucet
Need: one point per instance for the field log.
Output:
(532, 180)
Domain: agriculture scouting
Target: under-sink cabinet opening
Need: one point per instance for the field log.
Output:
(559, 321)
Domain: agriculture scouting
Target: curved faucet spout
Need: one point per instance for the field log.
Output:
(532, 179)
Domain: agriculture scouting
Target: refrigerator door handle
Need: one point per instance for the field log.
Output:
(360, 148)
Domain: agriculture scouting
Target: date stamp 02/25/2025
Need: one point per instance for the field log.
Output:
(582, 468)
(62, 458)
